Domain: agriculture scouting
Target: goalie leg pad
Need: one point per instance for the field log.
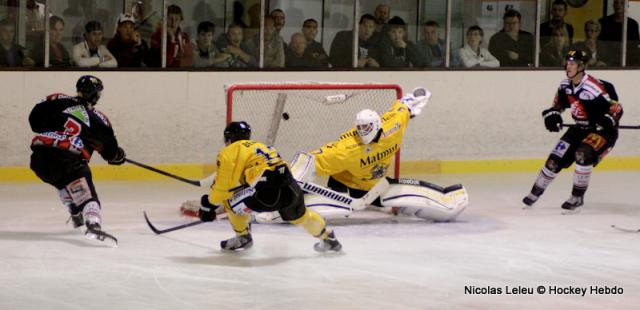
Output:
(425, 202)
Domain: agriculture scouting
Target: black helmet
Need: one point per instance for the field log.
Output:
(577, 55)
(90, 88)
(237, 131)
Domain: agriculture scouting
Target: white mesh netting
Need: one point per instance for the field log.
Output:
(304, 116)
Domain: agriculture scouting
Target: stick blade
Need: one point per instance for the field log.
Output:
(146, 218)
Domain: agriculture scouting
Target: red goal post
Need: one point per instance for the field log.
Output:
(302, 116)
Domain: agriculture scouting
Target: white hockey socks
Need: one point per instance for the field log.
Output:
(91, 212)
(581, 176)
(545, 178)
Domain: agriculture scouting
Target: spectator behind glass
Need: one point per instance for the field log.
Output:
(91, 52)
(592, 44)
(611, 36)
(402, 52)
(513, 47)
(58, 54)
(128, 47)
(473, 55)
(382, 13)
(147, 19)
(179, 50)
(370, 52)
(558, 12)
(431, 46)
(554, 52)
(296, 55)
(273, 45)
(206, 54)
(278, 22)
(278, 19)
(314, 48)
(11, 54)
(232, 43)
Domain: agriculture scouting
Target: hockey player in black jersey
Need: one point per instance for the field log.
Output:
(595, 109)
(68, 131)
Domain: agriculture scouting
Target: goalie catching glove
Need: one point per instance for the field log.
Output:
(417, 100)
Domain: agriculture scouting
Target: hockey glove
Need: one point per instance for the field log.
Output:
(417, 100)
(552, 119)
(607, 122)
(118, 159)
(207, 210)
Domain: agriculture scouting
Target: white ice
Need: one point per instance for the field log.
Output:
(388, 262)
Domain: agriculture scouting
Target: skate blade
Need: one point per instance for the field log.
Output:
(571, 212)
(102, 238)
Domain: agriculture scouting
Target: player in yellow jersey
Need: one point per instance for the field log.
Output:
(251, 177)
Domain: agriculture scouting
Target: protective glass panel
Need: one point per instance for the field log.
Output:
(300, 26)
(485, 31)
(88, 27)
(15, 33)
(432, 32)
(337, 32)
(575, 24)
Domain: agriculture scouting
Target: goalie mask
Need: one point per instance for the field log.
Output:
(89, 88)
(368, 125)
(236, 131)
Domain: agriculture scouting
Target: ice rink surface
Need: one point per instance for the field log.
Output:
(388, 262)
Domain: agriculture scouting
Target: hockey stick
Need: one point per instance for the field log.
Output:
(632, 230)
(620, 127)
(357, 204)
(162, 231)
(156, 170)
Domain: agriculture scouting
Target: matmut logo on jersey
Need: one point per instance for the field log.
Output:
(374, 158)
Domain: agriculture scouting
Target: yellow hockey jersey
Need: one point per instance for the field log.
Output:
(359, 165)
(239, 164)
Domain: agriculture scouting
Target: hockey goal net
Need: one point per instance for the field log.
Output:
(296, 117)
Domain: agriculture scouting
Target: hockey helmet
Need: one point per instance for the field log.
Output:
(578, 55)
(368, 124)
(90, 88)
(236, 131)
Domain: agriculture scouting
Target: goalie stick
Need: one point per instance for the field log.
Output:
(632, 230)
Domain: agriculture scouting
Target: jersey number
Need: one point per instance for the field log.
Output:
(264, 154)
(71, 127)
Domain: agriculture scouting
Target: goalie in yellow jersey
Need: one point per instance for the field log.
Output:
(363, 155)
(252, 177)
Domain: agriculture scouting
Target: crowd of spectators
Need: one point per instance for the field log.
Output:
(381, 40)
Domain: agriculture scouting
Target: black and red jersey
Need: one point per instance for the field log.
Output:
(588, 101)
(68, 123)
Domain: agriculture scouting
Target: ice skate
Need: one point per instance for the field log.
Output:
(328, 244)
(76, 219)
(572, 205)
(529, 200)
(237, 243)
(94, 231)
